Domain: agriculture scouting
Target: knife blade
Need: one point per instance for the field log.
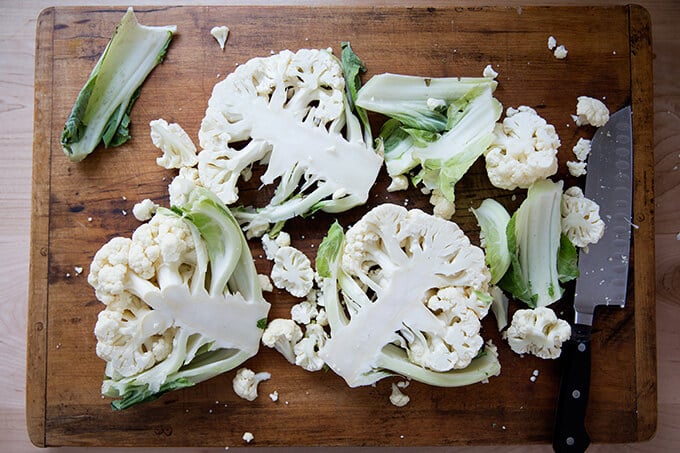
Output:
(603, 272)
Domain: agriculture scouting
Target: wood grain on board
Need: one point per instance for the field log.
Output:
(78, 207)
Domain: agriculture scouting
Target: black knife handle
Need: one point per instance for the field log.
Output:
(570, 434)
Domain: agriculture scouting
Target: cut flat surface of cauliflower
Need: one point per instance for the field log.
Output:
(246, 381)
(292, 271)
(539, 332)
(271, 246)
(581, 221)
(591, 111)
(524, 150)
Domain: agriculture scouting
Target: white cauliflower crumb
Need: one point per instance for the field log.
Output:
(274, 396)
(591, 111)
(576, 168)
(399, 182)
(677, 237)
(221, 34)
(246, 381)
(265, 283)
(489, 72)
(398, 398)
(552, 43)
(582, 149)
(144, 210)
(560, 52)
(248, 437)
(78, 270)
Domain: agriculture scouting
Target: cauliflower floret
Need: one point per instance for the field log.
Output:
(265, 283)
(398, 398)
(271, 246)
(524, 150)
(489, 72)
(246, 381)
(248, 437)
(582, 149)
(538, 331)
(220, 33)
(581, 221)
(399, 182)
(442, 207)
(560, 52)
(178, 149)
(591, 111)
(292, 271)
(304, 312)
(307, 349)
(576, 169)
(144, 210)
(282, 335)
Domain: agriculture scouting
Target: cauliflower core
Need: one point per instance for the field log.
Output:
(524, 150)
(408, 280)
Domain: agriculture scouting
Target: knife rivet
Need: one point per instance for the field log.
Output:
(581, 347)
(570, 441)
(576, 394)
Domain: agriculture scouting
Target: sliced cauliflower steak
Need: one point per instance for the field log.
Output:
(289, 112)
(404, 294)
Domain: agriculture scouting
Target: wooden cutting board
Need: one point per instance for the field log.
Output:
(78, 207)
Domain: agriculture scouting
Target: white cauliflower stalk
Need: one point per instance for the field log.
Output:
(246, 381)
(539, 332)
(581, 221)
(404, 293)
(524, 150)
(289, 112)
(591, 111)
(292, 271)
(178, 149)
(183, 301)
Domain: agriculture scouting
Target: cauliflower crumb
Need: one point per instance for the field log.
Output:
(560, 52)
(552, 43)
(582, 149)
(397, 398)
(576, 168)
(274, 396)
(677, 237)
(248, 437)
(265, 283)
(78, 270)
(144, 210)
(246, 381)
(399, 182)
(591, 111)
(220, 34)
(489, 72)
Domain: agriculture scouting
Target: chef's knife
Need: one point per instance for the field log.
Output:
(603, 272)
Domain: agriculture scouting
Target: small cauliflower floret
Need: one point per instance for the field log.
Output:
(307, 349)
(539, 332)
(582, 149)
(220, 33)
(246, 381)
(576, 169)
(560, 52)
(271, 246)
(282, 335)
(524, 150)
(399, 182)
(591, 111)
(581, 221)
(398, 398)
(292, 271)
(304, 312)
(144, 210)
(178, 149)
(265, 283)
(442, 207)
(489, 72)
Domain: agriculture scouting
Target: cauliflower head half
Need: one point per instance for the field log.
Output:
(289, 112)
(404, 292)
(182, 299)
(524, 150)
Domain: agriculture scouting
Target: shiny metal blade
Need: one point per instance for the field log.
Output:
(603, 271)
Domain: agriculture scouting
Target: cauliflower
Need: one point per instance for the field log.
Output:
(304, 312)
(183, 301)
(271, 246)
(220, 33)
(398, 398)
(144, 210)
(552, 42)
(442, 207)
(560, 52)
(582, 149)
(591, 111)
(178, 149)
(404, 293)
(576, 169)
(307, 349)
(289, 112)
(282, 335)
(489, 72)
(524, 150)
(292, 271)
(538, 331)
(246, 381)
(397, 183)
(581, 221)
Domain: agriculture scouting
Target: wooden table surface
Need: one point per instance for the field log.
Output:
(17, 51)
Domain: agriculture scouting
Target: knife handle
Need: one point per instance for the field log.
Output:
(570, 433)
